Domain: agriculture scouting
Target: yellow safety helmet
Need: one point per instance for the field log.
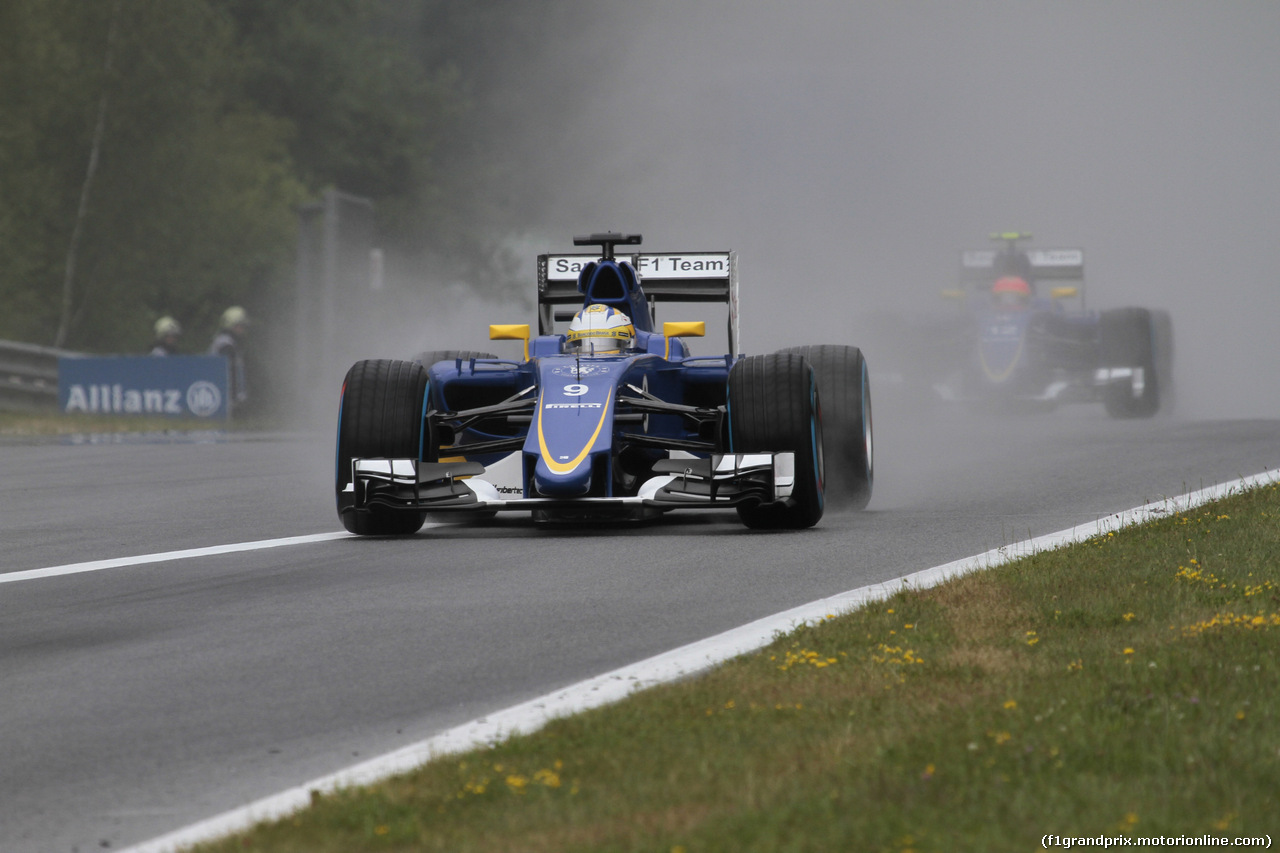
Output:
(168, 327)
(234, 316)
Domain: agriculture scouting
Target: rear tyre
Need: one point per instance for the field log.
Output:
(430, 357)
(1127, 340)
(845, 391)
(773, 405)
(379, 415)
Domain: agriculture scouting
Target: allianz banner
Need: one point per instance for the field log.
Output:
(181, 386)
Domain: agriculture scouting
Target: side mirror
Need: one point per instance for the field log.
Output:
(685, 329)
(511, 332)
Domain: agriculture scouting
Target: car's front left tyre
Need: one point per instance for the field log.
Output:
(380, 415)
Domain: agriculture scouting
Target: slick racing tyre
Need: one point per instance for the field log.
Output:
(773, 406)
(1127, 349)
(845, 392)
(430, 357)
(379, 416)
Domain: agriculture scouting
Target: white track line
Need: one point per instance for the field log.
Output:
(678, 663)
(124, 562)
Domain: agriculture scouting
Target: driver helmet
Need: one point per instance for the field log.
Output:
(1011, 291)
(599, 329)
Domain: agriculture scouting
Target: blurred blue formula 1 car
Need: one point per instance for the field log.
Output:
(612, 419)
(1024, 336)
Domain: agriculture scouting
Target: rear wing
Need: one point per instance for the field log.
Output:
(978, 265)
(666, 277)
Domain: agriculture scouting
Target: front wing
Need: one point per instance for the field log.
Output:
(722, 481)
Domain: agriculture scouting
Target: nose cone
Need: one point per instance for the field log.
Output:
(574, 484)
(567, 440)
(573, 425)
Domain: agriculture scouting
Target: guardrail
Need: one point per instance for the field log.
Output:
(29, 376)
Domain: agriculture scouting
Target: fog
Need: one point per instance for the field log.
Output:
(848, 150)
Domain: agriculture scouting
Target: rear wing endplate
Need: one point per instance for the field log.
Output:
(666, 277)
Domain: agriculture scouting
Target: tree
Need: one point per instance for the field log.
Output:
(186, 202)
(153, 152)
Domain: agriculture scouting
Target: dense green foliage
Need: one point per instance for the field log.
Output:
(153, 152)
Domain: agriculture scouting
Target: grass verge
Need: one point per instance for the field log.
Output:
(1123, 686)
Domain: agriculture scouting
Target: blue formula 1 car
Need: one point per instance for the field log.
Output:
(1025, 338)
(613, 418)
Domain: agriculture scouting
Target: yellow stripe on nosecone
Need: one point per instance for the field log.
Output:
(1000, 377)
(566, 467)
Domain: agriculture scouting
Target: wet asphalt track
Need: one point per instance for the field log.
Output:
(138, 700)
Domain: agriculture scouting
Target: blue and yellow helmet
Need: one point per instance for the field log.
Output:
(599, 329)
